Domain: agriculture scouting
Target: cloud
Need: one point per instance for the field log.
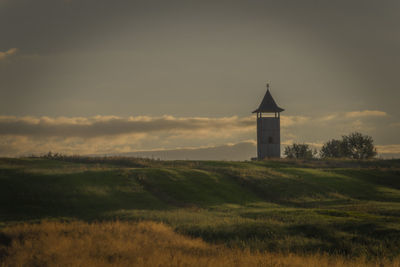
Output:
(352, 115)
(346, 122)
(9, 52)
(287, 121)
(98, 126)
(112, 125)
(329, 117)
(114, 134)
(388, 149)
(365, 113)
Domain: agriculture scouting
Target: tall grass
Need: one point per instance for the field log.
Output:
(276, 206)
(139, 244)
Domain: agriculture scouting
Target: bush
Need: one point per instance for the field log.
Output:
(354, 146)
(359, 146)
(333, 149)
(299, 151)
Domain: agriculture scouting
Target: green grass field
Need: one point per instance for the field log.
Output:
(351, 208)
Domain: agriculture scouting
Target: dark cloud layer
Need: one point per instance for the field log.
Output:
(191, 58)
(107, 126)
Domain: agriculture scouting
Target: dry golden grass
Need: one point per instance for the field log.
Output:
(137, 244)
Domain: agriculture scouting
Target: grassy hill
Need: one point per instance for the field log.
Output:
(340, 207)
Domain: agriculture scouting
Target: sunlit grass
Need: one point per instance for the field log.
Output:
(142, 244)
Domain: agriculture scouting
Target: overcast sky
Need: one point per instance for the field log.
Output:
(99, 76)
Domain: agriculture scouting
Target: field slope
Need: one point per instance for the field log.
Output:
(339, 207)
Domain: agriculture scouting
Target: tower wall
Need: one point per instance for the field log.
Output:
(268, 138)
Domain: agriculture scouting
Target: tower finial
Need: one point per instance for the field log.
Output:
(267, 85)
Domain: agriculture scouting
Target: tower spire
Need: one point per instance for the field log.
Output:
(268, 104)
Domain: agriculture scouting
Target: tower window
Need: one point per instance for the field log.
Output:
(270, 140)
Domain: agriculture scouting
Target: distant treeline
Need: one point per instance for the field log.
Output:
(113, 160)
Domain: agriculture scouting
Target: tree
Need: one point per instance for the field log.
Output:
(354, 145)
(359, 146)
(333, 149)
(299, 151)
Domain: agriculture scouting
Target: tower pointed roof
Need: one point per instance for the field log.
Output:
(268, 104)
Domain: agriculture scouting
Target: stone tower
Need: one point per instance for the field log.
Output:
(268, 128)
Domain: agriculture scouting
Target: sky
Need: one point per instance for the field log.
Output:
(102, 77)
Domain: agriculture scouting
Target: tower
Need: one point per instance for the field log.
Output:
(268, 128)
